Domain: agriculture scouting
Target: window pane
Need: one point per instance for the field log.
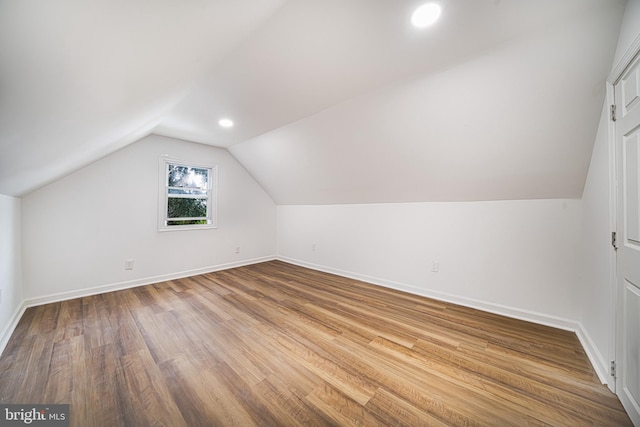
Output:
(184, 176)
(186, 208)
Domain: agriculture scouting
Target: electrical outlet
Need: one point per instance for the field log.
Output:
(128, 264)
(435, 266)
(313, 247)
(237, 249)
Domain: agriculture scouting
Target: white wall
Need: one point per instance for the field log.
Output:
(596, 264)
(513, 257)
(78, 231)
(10, 268)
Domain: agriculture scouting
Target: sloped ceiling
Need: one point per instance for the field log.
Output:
(335, 101)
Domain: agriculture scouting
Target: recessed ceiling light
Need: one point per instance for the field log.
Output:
(226, 123)
(426, 15)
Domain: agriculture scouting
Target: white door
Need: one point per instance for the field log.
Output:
(627, 96)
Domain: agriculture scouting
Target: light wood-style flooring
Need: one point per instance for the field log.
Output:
(274, 344)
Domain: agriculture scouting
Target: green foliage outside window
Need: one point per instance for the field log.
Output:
(186, 208)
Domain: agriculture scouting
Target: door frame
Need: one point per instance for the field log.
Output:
(614, 77)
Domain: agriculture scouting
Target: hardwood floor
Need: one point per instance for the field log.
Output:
(274, 344)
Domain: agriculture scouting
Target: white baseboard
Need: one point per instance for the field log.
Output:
(594, 355)
(8, 331)
(600, 365)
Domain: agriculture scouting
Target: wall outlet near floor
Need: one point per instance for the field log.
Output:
(237, 249)
(313, 247)
(435, 266)
(128, 264)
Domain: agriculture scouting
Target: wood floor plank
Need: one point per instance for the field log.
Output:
(391, 410)
(340, 408)
(193, 409)
(248, 398)
(287, 406)
(80, 381)
(59, 385)
(274, 344)
(147, 389)
(104, 402)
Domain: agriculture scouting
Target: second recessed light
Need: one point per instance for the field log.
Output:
(225, 123)
(426, 15)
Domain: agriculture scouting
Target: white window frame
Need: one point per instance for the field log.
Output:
(163, 195)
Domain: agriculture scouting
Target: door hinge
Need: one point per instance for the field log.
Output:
(612, 114)
(612, 370)
(614, 240)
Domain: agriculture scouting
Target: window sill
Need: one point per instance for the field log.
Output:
(188, 227)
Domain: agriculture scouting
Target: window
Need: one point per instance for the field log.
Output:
(187, 195)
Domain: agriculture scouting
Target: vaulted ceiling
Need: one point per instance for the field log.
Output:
(334, 101)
